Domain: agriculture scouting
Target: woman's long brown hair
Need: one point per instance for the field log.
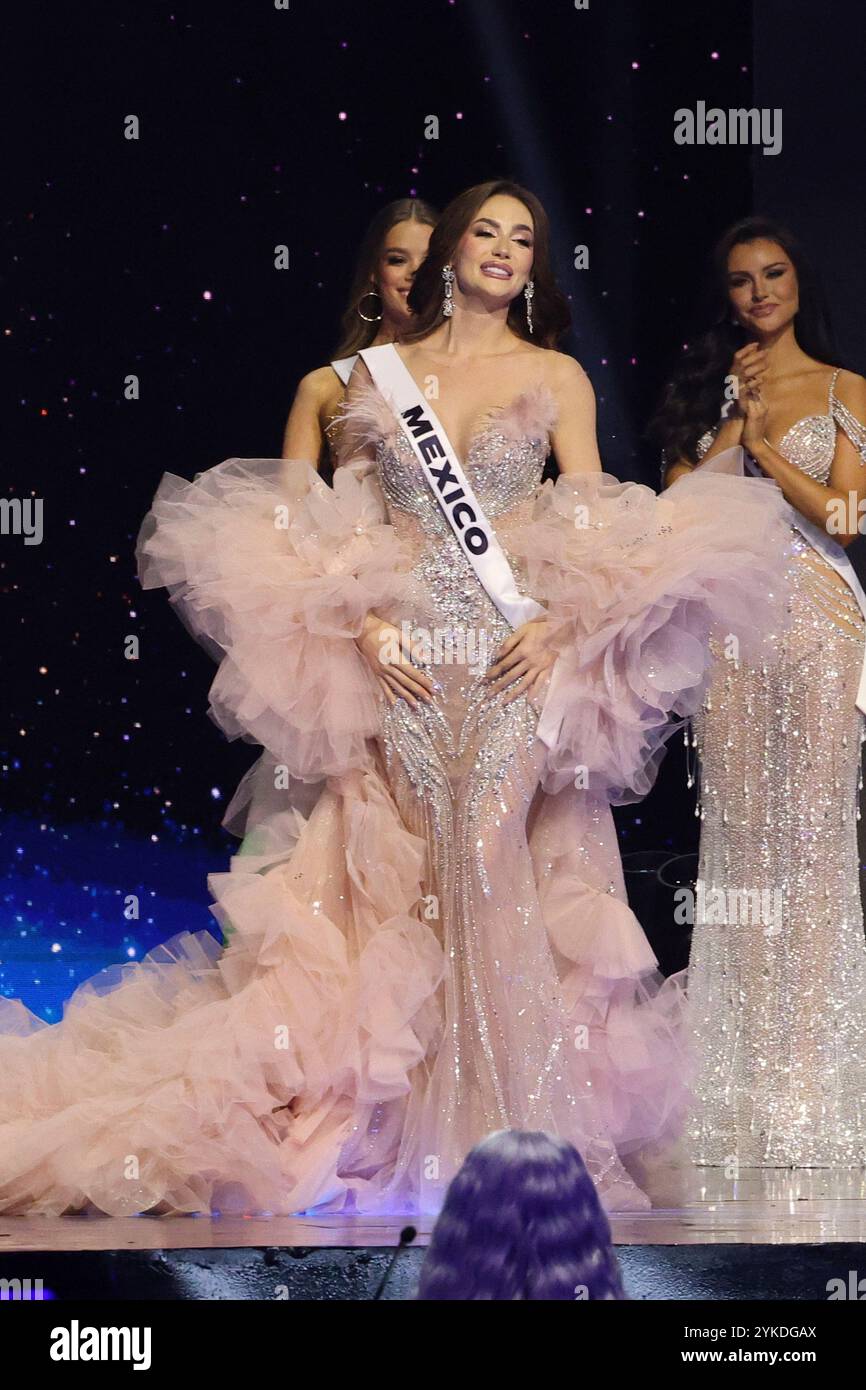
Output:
(550, 312)
(693, 398)
(355, 333)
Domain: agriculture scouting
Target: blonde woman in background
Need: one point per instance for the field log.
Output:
(393, 248)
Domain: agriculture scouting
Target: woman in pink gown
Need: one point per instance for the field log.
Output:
(427, 932)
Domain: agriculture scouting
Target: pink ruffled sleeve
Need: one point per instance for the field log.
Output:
(274, 572)
(637, 585)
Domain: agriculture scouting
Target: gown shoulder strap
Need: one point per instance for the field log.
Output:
(847, 421)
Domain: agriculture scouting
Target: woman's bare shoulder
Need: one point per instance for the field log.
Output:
(563, 373)
(320, 384)
(850, 389)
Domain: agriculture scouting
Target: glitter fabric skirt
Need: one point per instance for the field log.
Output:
(777, 976)
(427, 934)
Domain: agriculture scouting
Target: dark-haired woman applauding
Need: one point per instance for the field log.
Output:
(777, 977)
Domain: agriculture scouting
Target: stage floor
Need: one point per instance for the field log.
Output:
(696, 1206)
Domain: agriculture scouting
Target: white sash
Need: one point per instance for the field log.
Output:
(836, 558)
(449, 484)
(343, 367)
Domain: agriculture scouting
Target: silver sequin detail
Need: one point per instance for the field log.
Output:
(778, 1004)
(464, 771)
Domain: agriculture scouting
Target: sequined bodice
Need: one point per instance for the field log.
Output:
(504, 466)
(503, 471)
(810, 443)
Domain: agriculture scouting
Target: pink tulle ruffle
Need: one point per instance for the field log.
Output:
(205, 1079)
(274, 572)
(637, 584)
(627, 1023)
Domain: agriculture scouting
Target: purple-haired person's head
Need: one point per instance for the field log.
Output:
(521, 1220)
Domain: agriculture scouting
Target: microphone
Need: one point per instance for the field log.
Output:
(407, 1235)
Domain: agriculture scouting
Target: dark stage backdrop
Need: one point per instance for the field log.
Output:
(817, 183)
(263, 126)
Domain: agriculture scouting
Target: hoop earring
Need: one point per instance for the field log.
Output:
(377, 317)
(448, 302)
(528, 292)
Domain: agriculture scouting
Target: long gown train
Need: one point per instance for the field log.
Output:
(427, 935)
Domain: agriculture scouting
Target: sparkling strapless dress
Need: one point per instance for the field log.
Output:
(777, 978)
(427, 936)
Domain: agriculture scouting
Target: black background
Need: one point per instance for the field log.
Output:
(110, 245)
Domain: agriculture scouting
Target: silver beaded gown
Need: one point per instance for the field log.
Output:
(534, 1035)
(426, 930)
(777, 974)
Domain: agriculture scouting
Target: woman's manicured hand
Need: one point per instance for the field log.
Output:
(748, 368)
(387, 651)
(523, 660)
(755, 410)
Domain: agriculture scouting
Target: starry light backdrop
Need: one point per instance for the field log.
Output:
(262, 126)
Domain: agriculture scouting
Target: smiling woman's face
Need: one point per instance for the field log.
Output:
(762, 286)
(404, 249)
(494, 256)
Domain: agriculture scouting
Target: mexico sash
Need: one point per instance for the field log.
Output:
(449, 484)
